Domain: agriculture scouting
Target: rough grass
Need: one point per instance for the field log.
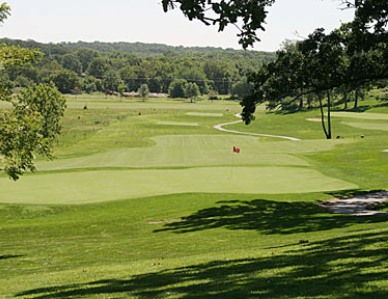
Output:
(216, 241)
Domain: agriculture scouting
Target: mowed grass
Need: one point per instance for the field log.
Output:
(106, 185)
(139, 204)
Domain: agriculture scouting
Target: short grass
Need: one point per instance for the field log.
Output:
(139, 204)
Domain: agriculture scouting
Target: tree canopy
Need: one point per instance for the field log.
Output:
(31, 124)
(250, 13)
(347, 58)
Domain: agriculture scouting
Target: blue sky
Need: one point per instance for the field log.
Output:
(145, 21)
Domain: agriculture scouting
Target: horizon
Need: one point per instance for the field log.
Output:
(137, 42)
(45, 21)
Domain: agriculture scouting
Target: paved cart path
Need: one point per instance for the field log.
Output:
(220, 127)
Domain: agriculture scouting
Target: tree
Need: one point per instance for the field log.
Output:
(111, 80)
(177, 88)
(72, 63)
(86, 56)
(316, 65)
(191, 91)
(352, 56)
(241, 89)
(219, 75)
(48, 102)
(370, 15)
(32, 124)
(143, 91)
(98, 67)
(192, 72)
(128, 76)
(66, 81)
(251, 14)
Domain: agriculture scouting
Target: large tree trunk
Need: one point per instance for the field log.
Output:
(328, 136)
(327, 130)
(346, 100)
(356, 96)
(301, 103)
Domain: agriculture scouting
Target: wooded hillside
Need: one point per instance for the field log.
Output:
(124, 67)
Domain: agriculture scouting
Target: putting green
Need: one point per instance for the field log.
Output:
(106, 185)
(198, 150)
(368, 126)
(206, 114)
(364, 115)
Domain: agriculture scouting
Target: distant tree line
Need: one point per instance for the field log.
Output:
(124, 67)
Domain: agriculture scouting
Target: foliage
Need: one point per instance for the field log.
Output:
(50, 104)
(347, 59)
(111, 80)
(191, 91)
(241, 89)
(31, 126)
(66, 81)
(143, 91)
(98, 67)
(250, 13)
(72, 63)
(136, 64)
(177, 88)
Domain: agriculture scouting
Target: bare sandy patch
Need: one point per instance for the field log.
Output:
(164, 221)
(314, 119)
(358, 205)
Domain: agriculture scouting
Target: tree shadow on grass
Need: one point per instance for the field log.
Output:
(349, 267)
(10, 256)
(267, 217)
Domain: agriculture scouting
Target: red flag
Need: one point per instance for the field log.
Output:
(236, 149)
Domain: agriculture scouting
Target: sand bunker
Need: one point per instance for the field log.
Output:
(359, 205)
(313, 119)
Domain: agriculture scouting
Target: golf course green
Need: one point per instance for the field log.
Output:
(147, 199)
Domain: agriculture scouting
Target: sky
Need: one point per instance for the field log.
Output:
(144, 21)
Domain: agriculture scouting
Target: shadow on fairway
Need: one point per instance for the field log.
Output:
(10, 256)
(349, 267)
(267, 217)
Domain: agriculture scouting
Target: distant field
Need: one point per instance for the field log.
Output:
(147, 200)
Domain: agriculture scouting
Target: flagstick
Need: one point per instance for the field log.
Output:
(231, 167)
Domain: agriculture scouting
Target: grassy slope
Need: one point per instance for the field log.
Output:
(199, 245)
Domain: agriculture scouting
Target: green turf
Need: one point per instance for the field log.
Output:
(106, 185)
(370, 116)
(190, 245)
(198, 150)
(139, 204)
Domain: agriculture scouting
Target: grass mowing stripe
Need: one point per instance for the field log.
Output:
(206, 114)
(176, 123)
